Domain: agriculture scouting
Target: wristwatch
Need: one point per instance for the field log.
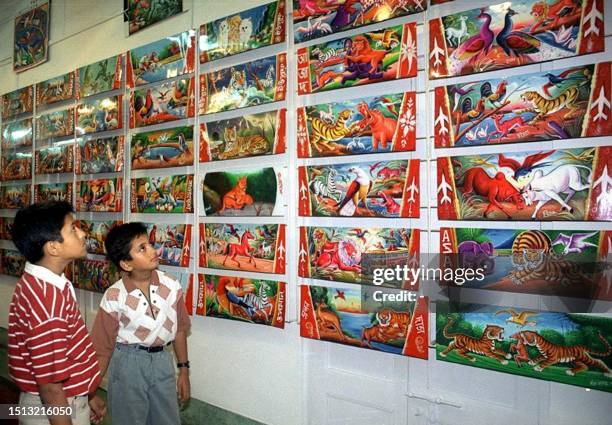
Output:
(186, 364)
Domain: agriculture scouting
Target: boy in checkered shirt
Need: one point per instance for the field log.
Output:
(138, 317)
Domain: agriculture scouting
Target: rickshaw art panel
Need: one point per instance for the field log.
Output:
(99, 115)
(15, 196)
(249, 192)
(168, 194)
(557, 105)
(564, 184)
(100, 195)
(378, 124)
(17, 102)
(46, 192)
(166, 58)
(56, 89)
(171, 147)
(12, 262)
(141, 15)
(256, 301)
(572, 349)
(373, 57)
(254, 83)
(95, 234)
(95, 275)
(362, 189)
(318, 18)
(246, 30)
(17, 134)
(172, 242)
(6, 225)
(247, 247)
(511, 34)
(31, 38)
(174, 100)
(351, 255)
(245, 136)
(343, 316)
(55, 125)
(103, 155)
(563, 263)
(99, 77)
(16, 166)
(55, 160)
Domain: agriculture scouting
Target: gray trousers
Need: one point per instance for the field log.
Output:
(79, 404)
(142, 387)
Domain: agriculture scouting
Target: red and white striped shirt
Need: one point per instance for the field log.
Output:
(47, 338)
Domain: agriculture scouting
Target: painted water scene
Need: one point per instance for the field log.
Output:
(100, 195)
(167, 194)
(342, 315)
(15, 196)
(95, 234)
(509, 34)
(318, 18)
(16, 166)
(556, 105)
(351, 255)
(103, 155)
(246, 30)
(56, 124)
(55, 159)
(55, 90)
(99, 115)
(371, 57)
(17, 134)
(171, 147)
(257, 301)
(564, 184)
(53, 192)
(247, 84)
(565, 263)
(376, 124)
(99, 77)
(172, 242)
(166, 58)
(252, 192)
(244, 136)
(364, 189)
(169, 101)
(574, 349)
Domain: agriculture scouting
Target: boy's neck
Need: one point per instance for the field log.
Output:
(140, 277)
(56, 265)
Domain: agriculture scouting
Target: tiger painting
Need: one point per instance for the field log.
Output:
(485, 345)
(391, 325)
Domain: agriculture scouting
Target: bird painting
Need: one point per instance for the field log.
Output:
(575, 243)
(519, 318)
(479, 44)
(516, 43)
(357, 192)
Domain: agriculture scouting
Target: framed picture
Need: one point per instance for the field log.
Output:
(99, 77)
(171, 147)
(31, 38)
(168, 194)
(141, 15)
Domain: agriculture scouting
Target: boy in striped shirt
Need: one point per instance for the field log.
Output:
(51, 356)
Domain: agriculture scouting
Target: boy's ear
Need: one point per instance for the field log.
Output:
(51, 248)
(126, 266)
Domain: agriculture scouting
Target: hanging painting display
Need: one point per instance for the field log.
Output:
(353, 255)
(95, 275)
(12, 262)
(99, 77)
(186, 281)
(95, 234)
(247, 247)
(375, 124)
(166, 58)
(515, 33)
(372, 57)
(56, 124)
(53, 192)
(165, 102)
(570, 184)
(247, 30)
(99, 115)
(253, 192)
(168, 194)
(343, 316)
(564, 263)
(245, 136)
(363, 189)
(140, 15)
(96, 156)
(17, 102)
(318, 18)
(572, 349)
(15, 196)
(54, 159)
(172, 242)
(6, 225)
(562, 104)
(16, 166)
(31, 38)
(170, 147)
(247, 84)
(100, 195)
(17, 134)
(248, 300)
(54, 90)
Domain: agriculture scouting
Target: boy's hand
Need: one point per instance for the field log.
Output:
(183, 387)
(98, 409)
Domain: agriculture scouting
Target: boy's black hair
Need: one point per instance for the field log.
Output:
(37, 224)
(118, 242)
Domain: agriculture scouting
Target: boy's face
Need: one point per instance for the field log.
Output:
(73, 246)
(144, 257)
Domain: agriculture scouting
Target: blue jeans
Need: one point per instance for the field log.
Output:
(142, 387)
